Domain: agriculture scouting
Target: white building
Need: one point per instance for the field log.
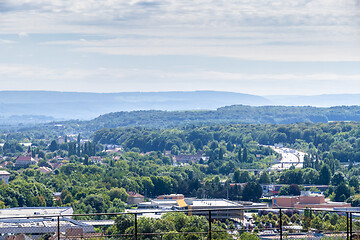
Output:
(5, 175)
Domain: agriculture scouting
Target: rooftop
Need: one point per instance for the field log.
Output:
(34, 211)
(3, 172)
(134, 194)
(214, 203)
(24, 158)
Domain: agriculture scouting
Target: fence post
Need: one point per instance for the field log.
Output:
(210, 224)
(281, 231)
(347, 225)
(136, 227)
(58, 227)
(351, 226)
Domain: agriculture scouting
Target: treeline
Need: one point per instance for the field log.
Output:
(336, 140)
(235, 114)
(176, 226)
(231, 114)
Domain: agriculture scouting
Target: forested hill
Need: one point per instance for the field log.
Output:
(82, 105)
(230, 114)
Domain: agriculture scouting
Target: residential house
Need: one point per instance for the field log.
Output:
(135, 198)
(96, 159)
(24, 161)
(45, 169)
(189, 158)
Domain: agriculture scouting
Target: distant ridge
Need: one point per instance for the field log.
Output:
(236, 114)
(231, 114)
(324, 100)
(50, 105)
(75, 105)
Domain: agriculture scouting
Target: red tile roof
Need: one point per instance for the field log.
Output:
(24, 158)
(134, 194)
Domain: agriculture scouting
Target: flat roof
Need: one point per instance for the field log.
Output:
(34, 211)
(214, 203)
(3, 172)
(41, 226)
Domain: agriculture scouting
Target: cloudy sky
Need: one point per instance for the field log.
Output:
(267, 47)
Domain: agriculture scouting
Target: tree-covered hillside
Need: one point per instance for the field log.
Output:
(231, 114)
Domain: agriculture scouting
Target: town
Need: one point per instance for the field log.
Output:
(234, 183)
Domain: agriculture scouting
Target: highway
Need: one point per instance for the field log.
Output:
(289, 157)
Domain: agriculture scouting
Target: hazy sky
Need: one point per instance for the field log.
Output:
(260, 47)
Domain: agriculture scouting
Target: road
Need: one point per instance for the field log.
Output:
(289, 157)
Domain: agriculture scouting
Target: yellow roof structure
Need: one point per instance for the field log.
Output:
(181, 203)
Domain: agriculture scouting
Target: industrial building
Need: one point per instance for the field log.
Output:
(37, 221)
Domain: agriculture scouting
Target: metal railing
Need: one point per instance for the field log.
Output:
(70, 226)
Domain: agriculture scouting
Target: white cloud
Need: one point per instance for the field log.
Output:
(23, 34)
(5, 41)
(270, 30)
(309, 29)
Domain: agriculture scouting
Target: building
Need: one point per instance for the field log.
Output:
(24, 161)
(273, 189)
(135, 198)
(37, 221)
(61, 140)
(221, 208)
(45, 170)
(307, 199)
(5, 175)
(171, 196)
(57, 196)
(96, 159)
(189, 158)
(27, 212)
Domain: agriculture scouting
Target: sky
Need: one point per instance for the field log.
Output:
(267, 47)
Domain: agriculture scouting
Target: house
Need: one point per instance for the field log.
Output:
(19, 237)
(24, 161)
(61, 140)
(56, 165)
(45, 169)
(57, 196)
(96, 159)
(135, 198)
(4, 175)
(307, 199)
(189, 158)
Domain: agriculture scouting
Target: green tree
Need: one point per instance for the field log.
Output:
(244, 177)
(248, 236)
(245, 155)
(342, 191)
(86, 160)
(338, 178)
(78, 146)
(236, 176)
(53, 146)
(119, 193)
(325, 175)
(307, 217)
(252, 192)
(96, 202)
(294, 190)
(354, 182)
(264, 178)
(239, 155)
